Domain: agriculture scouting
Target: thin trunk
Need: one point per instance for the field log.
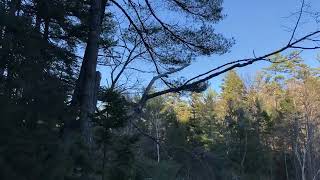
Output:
(303, 173)
(158, 140)
(315, 176)
(286, 166)
(309, 150)
(244, 154)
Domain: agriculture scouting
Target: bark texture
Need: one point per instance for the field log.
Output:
(85, 97)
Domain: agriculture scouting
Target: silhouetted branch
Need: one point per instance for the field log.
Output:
(144, 97)
(235, 64)
(297, 23)
(147, 46)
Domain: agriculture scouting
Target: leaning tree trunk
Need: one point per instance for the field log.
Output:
(89, 79)
(85, 93)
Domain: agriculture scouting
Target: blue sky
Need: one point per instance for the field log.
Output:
(259, 26)
(256, 25)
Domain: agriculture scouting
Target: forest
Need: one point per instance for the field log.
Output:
(94, 90)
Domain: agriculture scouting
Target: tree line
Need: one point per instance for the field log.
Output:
(58, 122)
(263, 129)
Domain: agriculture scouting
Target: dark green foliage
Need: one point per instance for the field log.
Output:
(241, 133)
(113, 113)
(36, 81)
(122, 161)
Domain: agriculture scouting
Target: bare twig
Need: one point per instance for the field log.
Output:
(235, 64)
(298, 21)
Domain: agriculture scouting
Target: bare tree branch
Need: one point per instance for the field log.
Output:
(144, 97)
(234, 64)
(147, 46)
(298, 21)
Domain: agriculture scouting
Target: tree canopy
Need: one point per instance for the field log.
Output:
(59, 122)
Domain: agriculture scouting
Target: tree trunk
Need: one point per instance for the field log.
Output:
(158, 138)
(84, 96)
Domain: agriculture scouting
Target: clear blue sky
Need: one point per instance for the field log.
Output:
(256, 25)
(260, 26)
